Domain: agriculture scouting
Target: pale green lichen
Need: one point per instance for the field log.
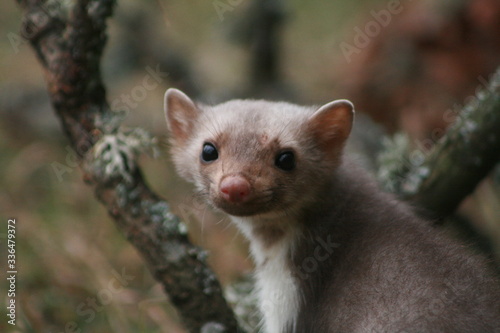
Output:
(122, 195)
(174, 251)
(394, 162)
(160, 214)
(213, 327)
(113, 158)
(114, 155)
(182, 228)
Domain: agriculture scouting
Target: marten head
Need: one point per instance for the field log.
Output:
(251, 157)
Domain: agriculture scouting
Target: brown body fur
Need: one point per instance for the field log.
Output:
(390, 271)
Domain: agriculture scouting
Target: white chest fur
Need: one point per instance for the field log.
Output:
(276, 288)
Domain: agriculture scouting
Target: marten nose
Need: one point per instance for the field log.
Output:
(235, 189)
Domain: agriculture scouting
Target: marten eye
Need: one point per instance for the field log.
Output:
(285, 161)
(209, 153)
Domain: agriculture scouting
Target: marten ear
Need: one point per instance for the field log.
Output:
(331, 124)
(181, 114)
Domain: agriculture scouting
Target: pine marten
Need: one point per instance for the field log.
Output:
(333, 253)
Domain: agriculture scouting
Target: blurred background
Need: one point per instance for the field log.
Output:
(405, 65)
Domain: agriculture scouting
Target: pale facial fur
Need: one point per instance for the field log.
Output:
(248, 135)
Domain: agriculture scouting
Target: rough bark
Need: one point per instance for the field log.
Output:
(451, 170)
(69, 42)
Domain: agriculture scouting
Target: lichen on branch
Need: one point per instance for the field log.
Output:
(439, 179)
(69, 39)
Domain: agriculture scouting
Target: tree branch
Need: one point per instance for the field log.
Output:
(457, 163)
(69, 42)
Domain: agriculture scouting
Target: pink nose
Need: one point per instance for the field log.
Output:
(235, 189)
